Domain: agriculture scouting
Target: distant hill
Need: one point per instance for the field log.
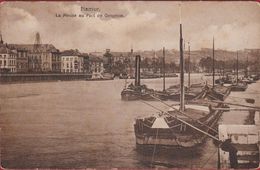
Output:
(173, 55)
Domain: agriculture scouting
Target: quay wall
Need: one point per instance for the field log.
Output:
(22, 78)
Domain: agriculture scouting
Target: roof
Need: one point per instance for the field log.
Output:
(31, 47)
(160, 123)
(95, 58)
(4, 49)
(71, 52)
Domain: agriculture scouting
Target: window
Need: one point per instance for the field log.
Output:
(0, 62)
(4, 62)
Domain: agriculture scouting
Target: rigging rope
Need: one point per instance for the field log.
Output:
(183, 113)
(176, 117)
(253, 107)
(210, 157)
(154, 146)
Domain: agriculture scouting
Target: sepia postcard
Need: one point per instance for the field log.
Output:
(129, 84)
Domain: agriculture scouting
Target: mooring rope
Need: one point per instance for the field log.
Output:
(210, 157)
(176, 117)
(253, 107)
(154, 146)
(184, 114)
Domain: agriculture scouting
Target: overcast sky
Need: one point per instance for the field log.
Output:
(145, 25)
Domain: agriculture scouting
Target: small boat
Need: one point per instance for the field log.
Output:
(248, 80)
(219, 92)
(240, 86)
(255, 77)
(129, 94)
(100, 76)
(190, 93)
(171, 75)
(133, 92)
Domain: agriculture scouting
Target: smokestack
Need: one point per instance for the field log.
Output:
(237, 67)
(181, 72)
(163, 69)
(213, 65)
(189, 67)
(181, 68)
(137, 70)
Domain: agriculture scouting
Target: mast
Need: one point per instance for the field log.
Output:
(246, 65)
(1, 39)
(213, 67)
(189, 66)
(131, 63)
(181, 69)
(224, 66)
(163, 69)
(137, 70)
(237, 67)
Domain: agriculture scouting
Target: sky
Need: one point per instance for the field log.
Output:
(143, 25)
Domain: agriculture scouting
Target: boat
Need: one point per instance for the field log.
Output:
(100, 76)
(137, 91)
(165, 131)
(238, 85)
(133, 92)
(184, 126)
(255, 77)
(248, 80)
(190, 93)
(219, 92)
(171, 75)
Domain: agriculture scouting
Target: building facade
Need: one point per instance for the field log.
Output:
(96, 64)
(22, 61)
(56, 62)
(37, 58)
(72, 61)
(7, 58)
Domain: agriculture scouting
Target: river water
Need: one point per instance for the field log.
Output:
(80, 124)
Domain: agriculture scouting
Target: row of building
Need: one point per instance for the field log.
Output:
(45, 58)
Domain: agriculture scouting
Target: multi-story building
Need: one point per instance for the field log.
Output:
(34, 62)
(7, 58)
(96, 64)
(108, 61)
(72, 61)
(56, 62)
(86, 64)
(22, 61)
(40, 57)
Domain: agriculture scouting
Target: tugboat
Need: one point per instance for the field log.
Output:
(137, 91)
(184, 126)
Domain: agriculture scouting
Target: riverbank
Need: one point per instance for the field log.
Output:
(43, 77)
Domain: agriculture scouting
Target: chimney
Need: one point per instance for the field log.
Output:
(1, 40)
(137, 70)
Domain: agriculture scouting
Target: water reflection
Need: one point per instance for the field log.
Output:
(81, 124)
